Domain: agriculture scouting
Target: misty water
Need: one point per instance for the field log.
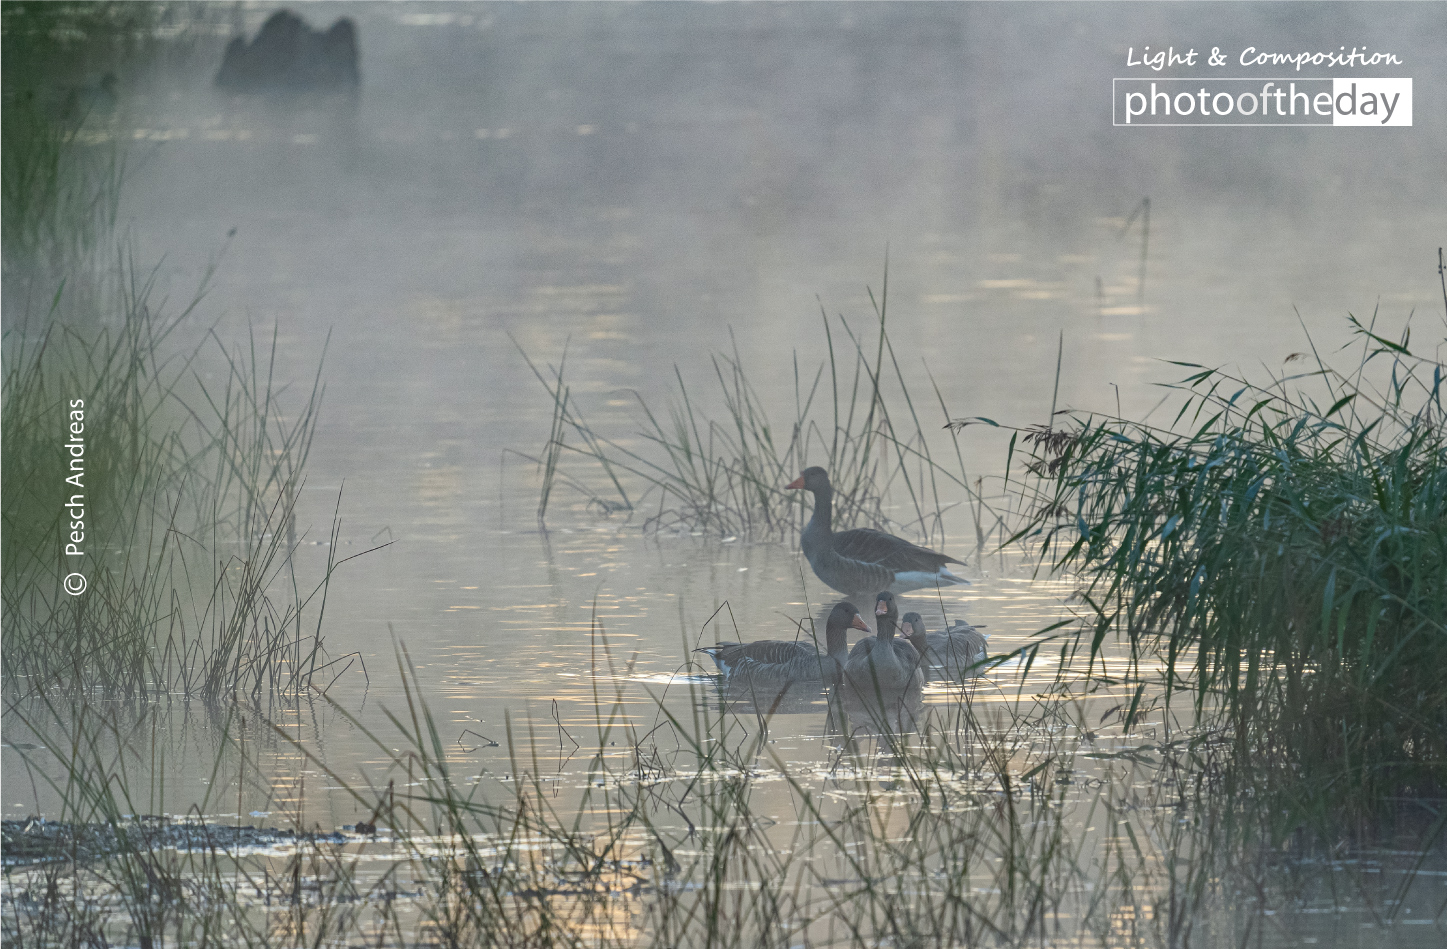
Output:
(645, 185)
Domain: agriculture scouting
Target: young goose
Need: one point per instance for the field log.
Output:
(774, 664)
(956, 653)
(865, 559)
(882, 679)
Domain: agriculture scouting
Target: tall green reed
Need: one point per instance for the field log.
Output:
(67, 74)
(1282, 549)
(60, 199)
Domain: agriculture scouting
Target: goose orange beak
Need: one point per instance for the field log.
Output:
(796, 483)
(860, 624)
(880, 608)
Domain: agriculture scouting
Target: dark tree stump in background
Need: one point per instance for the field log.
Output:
(288, 55)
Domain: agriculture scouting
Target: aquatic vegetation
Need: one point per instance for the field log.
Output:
(113, 865)
(145, 461)
(59, 200)
(172, 495)
(1003, 823)
(1282, 549)
(65, 66)
(726, 474)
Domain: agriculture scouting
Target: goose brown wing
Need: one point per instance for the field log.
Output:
(893, 553)
(961, 648)
(958, 646)
(768, 652)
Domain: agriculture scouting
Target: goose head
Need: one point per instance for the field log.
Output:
(915, 624)
(886, 613)
(813, 480)
(844, 617)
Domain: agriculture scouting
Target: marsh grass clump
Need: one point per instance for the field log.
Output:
(60, 195)
(1282, 549)
(723, 473)
(60, 198)
(179, 492)
(169, 466)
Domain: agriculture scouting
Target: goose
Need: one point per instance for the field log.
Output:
(956, 653)
(864, 559)
(882, 679)
(774, 665)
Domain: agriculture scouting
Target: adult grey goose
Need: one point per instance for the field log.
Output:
(771, 665)
(957, 653)
(883, 682)
(864, 559)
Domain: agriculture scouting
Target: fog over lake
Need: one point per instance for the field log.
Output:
(643, 186)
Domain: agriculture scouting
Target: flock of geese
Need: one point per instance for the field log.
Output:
(881, 679)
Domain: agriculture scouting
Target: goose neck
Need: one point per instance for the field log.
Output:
(822, 520)
(884, 655)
